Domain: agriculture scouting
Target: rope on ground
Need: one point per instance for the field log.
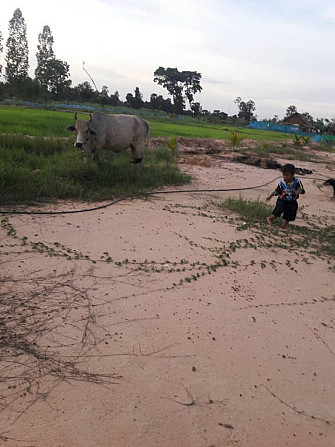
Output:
(175, 191)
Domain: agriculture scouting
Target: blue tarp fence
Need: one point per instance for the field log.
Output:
(264, 125)
(294, 130)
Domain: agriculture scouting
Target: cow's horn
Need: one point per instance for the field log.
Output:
(75, 116)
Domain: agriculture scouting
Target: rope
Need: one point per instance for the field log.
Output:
(113, 202)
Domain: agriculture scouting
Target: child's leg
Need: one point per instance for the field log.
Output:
(270, 219)
(276, 212)
(290, 212)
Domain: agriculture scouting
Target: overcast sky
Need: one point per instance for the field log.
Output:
(275, 52)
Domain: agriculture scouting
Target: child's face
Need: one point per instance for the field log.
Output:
(288, 176)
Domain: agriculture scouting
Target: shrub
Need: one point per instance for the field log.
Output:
(235, 139)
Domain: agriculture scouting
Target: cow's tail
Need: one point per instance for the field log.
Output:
(147, 125)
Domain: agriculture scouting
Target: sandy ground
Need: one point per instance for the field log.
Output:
(124, 331)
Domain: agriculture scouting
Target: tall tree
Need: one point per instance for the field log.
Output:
(59, 81)
(103, 97)
(138, 99)
(246, 109)
(17, 50)
(134, 101)
(153, 101)
(290, 111)
(104, 91)
(320, 125)
(330, 126)
(52, 74)
(115, 99)
(130, 100)
(196, 109)
(157, 102)
(181, 85)
(308, 117)
(84, 92)
(45, 54)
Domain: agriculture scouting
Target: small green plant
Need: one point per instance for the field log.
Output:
(263, 149)
(235, 139)
(306, 140)
(172, 144)
(296, 140)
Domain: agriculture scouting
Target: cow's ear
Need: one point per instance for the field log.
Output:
(70, 129)
(92, 132)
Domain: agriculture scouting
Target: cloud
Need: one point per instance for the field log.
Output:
(215, 81)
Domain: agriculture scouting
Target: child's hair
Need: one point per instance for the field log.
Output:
(288, 168)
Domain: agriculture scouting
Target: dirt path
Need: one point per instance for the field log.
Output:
(168, 323)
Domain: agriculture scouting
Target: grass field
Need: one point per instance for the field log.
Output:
(37, 122)
(46, 123)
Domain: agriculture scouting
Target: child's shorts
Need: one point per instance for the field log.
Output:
(288, 207)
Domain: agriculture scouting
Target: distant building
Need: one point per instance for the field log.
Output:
(297, 119)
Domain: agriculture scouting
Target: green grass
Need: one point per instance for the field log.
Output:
(290, 153)
(198, 129)
(19, 120)
(316, 239)
(38, 122)
(35, 169)
(249, 210)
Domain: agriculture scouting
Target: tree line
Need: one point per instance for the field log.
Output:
(52, 77)
(52, 82)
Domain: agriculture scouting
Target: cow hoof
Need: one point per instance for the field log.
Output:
(137, 160)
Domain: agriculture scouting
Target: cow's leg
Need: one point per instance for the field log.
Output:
(95, 155)
(137, 158)
(93, 152)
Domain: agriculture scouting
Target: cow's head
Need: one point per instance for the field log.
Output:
(85, 135)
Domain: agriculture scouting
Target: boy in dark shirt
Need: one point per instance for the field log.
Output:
(288, 191)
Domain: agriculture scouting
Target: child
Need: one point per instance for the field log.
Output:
(288, 191)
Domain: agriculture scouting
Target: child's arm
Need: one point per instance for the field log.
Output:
(299, 190)
(269, 197)
(276, 192)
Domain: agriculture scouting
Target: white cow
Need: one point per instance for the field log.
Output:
(114, 132)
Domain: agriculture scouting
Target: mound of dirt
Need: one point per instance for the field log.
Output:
(198, 151)
(193, 145)
(266, 163)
